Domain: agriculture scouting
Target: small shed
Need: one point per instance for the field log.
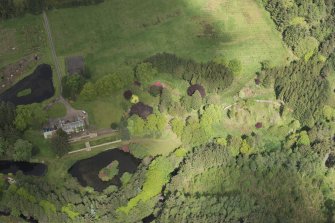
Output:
(75, 65)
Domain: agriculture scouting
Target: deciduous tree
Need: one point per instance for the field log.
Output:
(22, 150)
(60, 142)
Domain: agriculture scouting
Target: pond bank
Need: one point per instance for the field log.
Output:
(40, 84)
(34, 169)
(87, 170)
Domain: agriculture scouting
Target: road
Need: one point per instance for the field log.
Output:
(70, 111)
(53, 51)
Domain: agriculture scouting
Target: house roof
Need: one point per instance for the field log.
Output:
(73, 125)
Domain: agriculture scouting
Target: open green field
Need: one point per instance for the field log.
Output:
(161, 146)
(126, 31)
(102, 112)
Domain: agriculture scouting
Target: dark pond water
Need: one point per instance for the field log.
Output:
(35, 169)
(40, 83)
(149, 219)
(87, 170)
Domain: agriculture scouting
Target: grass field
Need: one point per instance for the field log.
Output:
(57, 110)
(21, 37)
(103, 111)
(161, 146)
(44, 146)
(24, 92)
(126, 31)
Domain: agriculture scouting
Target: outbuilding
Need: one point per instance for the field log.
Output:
(75, 65)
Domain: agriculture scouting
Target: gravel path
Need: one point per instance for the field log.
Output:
(70, 111)
(53, 50)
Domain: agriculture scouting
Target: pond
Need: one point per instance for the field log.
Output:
(87, 170)
(24, 218)
(149, 219)
(40, 85)
(34, 169)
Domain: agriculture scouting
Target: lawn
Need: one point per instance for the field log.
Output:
(21, 37)
(129, 31)
(161, 146)
(57, 110)
(104, 111)
(101, 140)
(44, 146)
(107, 110)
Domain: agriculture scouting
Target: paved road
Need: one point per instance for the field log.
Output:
(53, 51)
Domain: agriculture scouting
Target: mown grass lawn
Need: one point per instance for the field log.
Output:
(103, 111)
(58, 110)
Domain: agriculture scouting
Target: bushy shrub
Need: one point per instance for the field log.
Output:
(110, 171)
